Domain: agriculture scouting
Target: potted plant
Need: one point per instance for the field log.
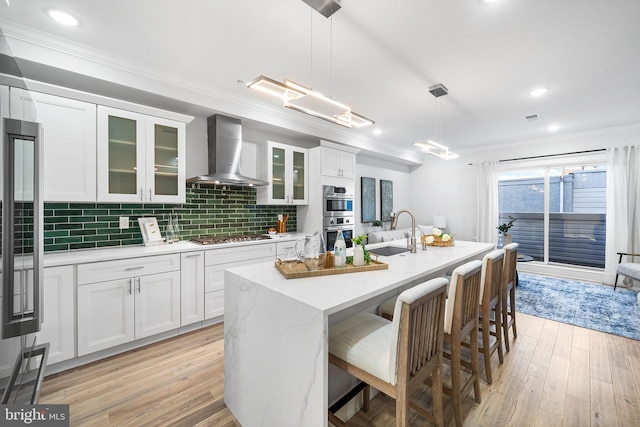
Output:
(504, 229)
(376, 225)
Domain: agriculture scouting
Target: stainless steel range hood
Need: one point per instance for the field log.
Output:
(224, 136)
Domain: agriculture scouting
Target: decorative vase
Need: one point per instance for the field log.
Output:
(507, 239)
(358, 255)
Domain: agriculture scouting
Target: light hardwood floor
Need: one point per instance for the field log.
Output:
(554, 375)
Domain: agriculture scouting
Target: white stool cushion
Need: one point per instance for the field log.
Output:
(363, 340)
(630, 269)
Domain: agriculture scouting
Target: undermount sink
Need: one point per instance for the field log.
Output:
(388, 250)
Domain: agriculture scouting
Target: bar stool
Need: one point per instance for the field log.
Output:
(397, 356)
(460, 322)
(491, 304)
(509, 292)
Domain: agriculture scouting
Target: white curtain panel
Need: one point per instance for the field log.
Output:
(623, 212)
(486, 182)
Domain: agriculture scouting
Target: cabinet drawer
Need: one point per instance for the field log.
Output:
(249, 252)
(121, 269)
(214, 274)
(213, 304)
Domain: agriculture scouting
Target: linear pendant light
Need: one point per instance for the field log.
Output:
(434, 148)
(308, 101)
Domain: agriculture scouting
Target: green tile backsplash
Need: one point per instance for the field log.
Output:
(209, 210)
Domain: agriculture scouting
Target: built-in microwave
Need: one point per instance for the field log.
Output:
(337, 201)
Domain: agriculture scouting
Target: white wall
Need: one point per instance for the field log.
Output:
(447, 187)
(380, 169)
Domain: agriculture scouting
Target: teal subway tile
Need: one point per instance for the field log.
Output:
(108, 205)
(119, 212)
(58, 233)
(57, 205)
(98, 225)
(107, 243)
(86, 232)
(52, 248)
(68, 212)
(82, 205)
(95, 212)
(96, 238)
(56, 219)
(82, 219)
(60, 240)
(83, 245)
(107, 218)
(68, 226)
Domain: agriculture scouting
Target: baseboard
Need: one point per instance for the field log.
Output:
(584, 274)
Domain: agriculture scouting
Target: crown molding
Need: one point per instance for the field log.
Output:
(40, 47)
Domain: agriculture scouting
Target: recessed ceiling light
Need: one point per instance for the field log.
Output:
(538, 92)
(63, 18)
(489, 1)
(377, 131)
(553, 128)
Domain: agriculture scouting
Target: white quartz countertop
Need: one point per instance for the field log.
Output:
(335, 292)
(52, 259)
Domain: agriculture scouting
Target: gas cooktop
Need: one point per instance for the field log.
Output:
(214, 240)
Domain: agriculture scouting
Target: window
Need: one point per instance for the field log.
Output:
(560, 211)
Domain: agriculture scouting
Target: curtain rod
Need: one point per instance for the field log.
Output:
(550, 155)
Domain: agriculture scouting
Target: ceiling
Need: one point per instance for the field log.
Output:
(379, 57)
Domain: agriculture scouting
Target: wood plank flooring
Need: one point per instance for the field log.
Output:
(554, 375)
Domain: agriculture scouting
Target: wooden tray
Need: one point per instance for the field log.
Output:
(299, 270)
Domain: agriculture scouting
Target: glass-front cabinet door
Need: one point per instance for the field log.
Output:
(165, 160)
(278, 175)
(140, 158)
(299, 163)
(287, 173)
(121, 161)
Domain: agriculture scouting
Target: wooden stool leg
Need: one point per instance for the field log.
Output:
(505, 322)
(436, 392)
(456, 381)
(486, 345)
(497, 316)
(512, 294)
(365, 398)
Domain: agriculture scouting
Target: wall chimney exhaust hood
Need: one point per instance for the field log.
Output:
(224, 135)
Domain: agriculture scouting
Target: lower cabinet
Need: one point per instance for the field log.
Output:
(127, 307)
(58, 319)
(218, 260)
(192, 287)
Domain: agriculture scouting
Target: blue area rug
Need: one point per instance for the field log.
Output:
(582, 304)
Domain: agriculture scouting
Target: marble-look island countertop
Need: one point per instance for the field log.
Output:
(276, 343)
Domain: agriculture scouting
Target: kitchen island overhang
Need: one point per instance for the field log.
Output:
(276, 343)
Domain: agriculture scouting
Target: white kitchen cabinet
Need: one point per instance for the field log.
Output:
(192, 289)
(338, 163)
(9, 347)
(123, 300)
(58, 317)
(287, 174)
(218, 260)
(141, 158)
(69, 135)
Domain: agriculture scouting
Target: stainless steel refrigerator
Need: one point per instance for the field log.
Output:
(22, 257)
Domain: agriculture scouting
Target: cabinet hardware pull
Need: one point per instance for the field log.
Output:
(138, 285)
(130, 285)
(192, 255)
(134, 268)
(149, 193)
(141, 194)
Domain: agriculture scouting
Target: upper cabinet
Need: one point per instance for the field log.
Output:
(338, 163)
(69, 135)
(288, 176)
(141, 158)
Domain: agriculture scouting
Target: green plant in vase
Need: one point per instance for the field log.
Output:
(358, 242)
(504, 229)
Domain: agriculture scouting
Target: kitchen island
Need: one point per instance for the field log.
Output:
(276, 330)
